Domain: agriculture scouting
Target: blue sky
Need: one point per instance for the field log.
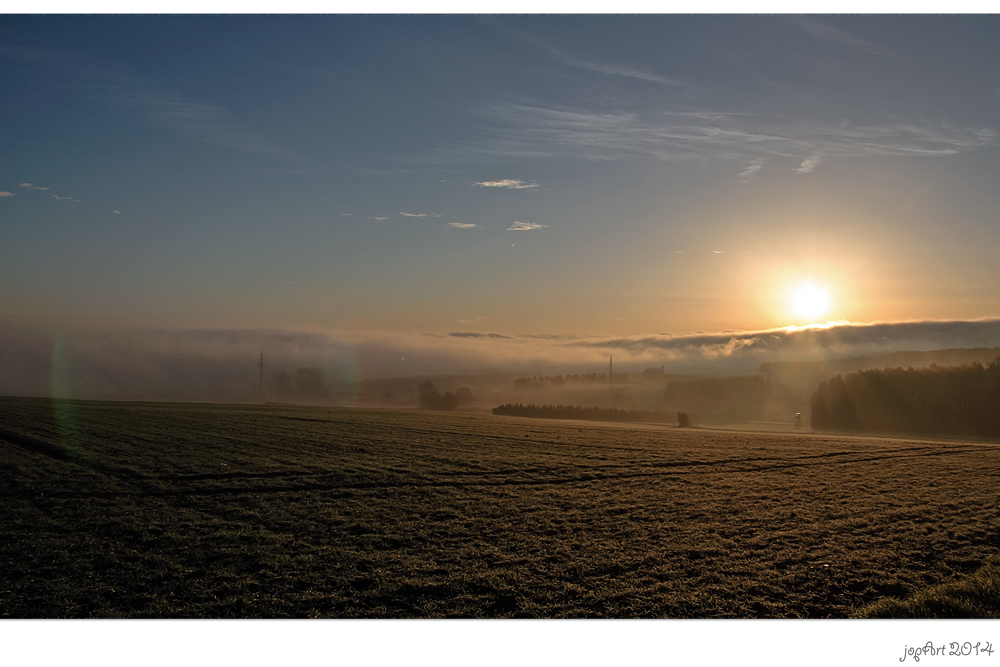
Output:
(590, 175)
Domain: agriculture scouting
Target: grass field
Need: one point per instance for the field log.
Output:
(171, 510)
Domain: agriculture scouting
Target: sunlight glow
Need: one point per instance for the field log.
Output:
(810, 301)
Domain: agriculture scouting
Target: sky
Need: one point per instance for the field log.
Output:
(587, 177)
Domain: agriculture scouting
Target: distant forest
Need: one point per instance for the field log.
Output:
(577, 412)
(741, 398)
(942, 400)
(432, 399)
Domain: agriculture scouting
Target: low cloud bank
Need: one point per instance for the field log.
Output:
(838, 339)
(89, 361)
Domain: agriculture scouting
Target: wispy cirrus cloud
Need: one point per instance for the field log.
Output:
(378, 218)
(413, 215)
(4, 193)
(168, 110)
(58, 198)
(824, 31)
(509, 183)
(604, 68)
(521, 226)
(200, 121)
(610, 69)
(462, 225)
(521, 132)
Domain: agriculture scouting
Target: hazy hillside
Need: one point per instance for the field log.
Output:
(937, 400)
(797, 372)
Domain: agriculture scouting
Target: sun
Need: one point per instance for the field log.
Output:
(810, 301)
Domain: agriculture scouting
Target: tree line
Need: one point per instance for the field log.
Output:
(432, 399)
(944, 400)
(579, 412)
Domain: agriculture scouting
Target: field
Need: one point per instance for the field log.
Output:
(172, 510)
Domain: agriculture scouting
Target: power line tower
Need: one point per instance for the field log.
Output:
(260, 364)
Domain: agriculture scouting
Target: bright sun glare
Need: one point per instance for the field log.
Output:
(810, 301)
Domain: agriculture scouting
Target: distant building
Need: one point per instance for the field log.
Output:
(653, 374)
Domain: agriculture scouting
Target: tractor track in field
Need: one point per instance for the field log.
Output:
(335, 483)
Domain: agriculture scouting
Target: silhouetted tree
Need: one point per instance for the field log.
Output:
(683, 420)
(449, 401)
(464, 395)
(430, 399)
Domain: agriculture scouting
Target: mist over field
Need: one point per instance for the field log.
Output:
(90, 361)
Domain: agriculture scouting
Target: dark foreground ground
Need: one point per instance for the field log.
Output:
(168, 510)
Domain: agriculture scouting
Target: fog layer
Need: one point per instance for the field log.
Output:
(90, 361)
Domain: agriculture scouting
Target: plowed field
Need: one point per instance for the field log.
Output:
(171, 510)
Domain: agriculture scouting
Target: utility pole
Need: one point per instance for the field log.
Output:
(261, 364)
(611, 373)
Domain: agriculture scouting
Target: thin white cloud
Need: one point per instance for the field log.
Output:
(600, 68)
(824, 31)
(522, 132)
(346, 214)
(201, 122)
(461, 225)
(41, 188)
(198, 121)
(752, 169)
(612, 69)
(715, 252)
(4, 193)
(26, 185)
(510, 183)
(380, 219)
(413, 215)
(59, 198)
(118, 212)
(519, 226)
(808, 164)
